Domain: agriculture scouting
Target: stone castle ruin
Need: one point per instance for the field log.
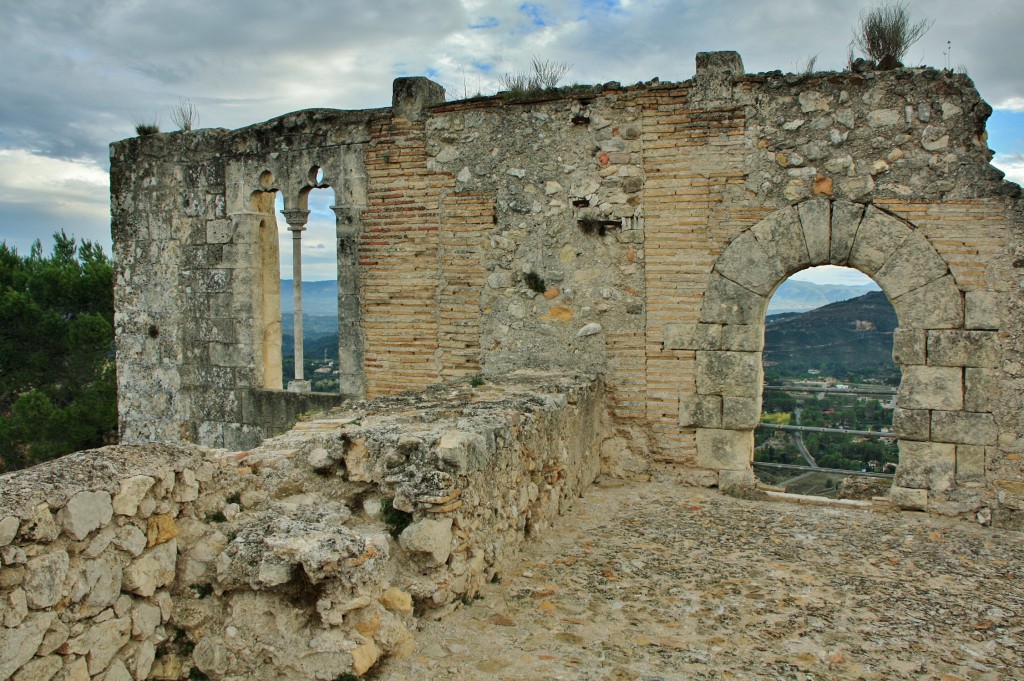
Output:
(601, 257)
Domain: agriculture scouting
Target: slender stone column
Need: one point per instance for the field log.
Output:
(297, 225)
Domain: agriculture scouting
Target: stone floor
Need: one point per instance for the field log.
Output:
(654, 580)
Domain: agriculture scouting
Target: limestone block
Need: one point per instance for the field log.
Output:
(909, 346)
(103, 576)
(912, 424)
(117, 672)
(740, 338)
(8, 529)
(186, 487)
(145, 620)
(963, 427)
(740, 413)
(55, 637)
(104, 640)
(913, 265)
(411, 96)
(467, 452)
(909, 499)
(144, 659)
(159, 529)
(44, 579)
(746, 262)
(781, 235)
(878, 238)
(736, 374)
(131, 539)
(981, 310)
(431, 537)
(219, 231)
(700, 411)
(41, 527)
(40, 669)
(725, 449)
(736, 482)
(846, 218)
(152, 570)
(963, 348)
(926, 465)
(816, 223)
(880, 118)
(981, 389)
(13, 608)
(19, 644)
(85, 512)
(925, 387)
(726, 302)
(133, 489)
(691, 336)
(396, 600)
(970, 464)
(210, 657)
(936, 305)
(364, 656)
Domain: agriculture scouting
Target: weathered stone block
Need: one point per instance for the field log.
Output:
(782, 237)
(44, 579)
(430, 537)
(219, 231)
(912, 424)
(726, 302)
(681, 336)
(981, 389)
(737, 374)
(816, 222)
(736, 482)
(962, 427)
(970, 464)
(963, 348)
(931, 388)
(411, 96)
(19, 644)
(133, 489)
(914, 264)
(725, 449)
(85, 512)
(700, 411)
(747, 262)
(909, 346)
(846, 218)
(909, 499)
(926, 465)
(741, 338)
(936, 305)
(740, 413)
(981, 310)
(878, 238)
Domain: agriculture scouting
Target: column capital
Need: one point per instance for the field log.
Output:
(296, 219)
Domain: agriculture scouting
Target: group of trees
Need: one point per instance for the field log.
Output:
(57, 383)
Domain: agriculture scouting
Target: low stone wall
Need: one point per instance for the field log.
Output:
(310, 556)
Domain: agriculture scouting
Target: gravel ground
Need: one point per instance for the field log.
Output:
(654, 580)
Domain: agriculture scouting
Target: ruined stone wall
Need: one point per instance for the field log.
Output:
(636, 232)
(176, 561)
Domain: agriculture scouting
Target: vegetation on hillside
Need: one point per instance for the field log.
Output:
(57, 386)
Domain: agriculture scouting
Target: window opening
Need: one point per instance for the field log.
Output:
(318, 265)
(828, 369)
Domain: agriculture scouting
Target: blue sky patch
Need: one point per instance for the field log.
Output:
(485, 22)
(534, 13)
(1006, 132)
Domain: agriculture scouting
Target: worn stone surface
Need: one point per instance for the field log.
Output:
(963, 427)
(698, 583)
(931, 388)
(724, 449)
(926, 465)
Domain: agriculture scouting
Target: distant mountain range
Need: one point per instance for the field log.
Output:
(850, 339)
(319, 298)
(802, 296)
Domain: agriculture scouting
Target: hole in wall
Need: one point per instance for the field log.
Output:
(153, 331)
(828, 367)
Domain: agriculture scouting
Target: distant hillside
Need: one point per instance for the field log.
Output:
(802, 296)
(319, 298)
(850, 339)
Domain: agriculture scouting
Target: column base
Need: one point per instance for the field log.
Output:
(299, 387)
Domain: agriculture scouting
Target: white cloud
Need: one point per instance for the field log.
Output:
(1012, 165)
(1011, 104)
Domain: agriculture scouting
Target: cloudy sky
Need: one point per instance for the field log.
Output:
(79, 74)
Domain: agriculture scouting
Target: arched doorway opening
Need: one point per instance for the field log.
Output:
(829, 386)
(942, 418)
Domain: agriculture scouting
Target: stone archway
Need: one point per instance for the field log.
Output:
(944, 407)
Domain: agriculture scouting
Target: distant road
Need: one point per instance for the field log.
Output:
(800, 442)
